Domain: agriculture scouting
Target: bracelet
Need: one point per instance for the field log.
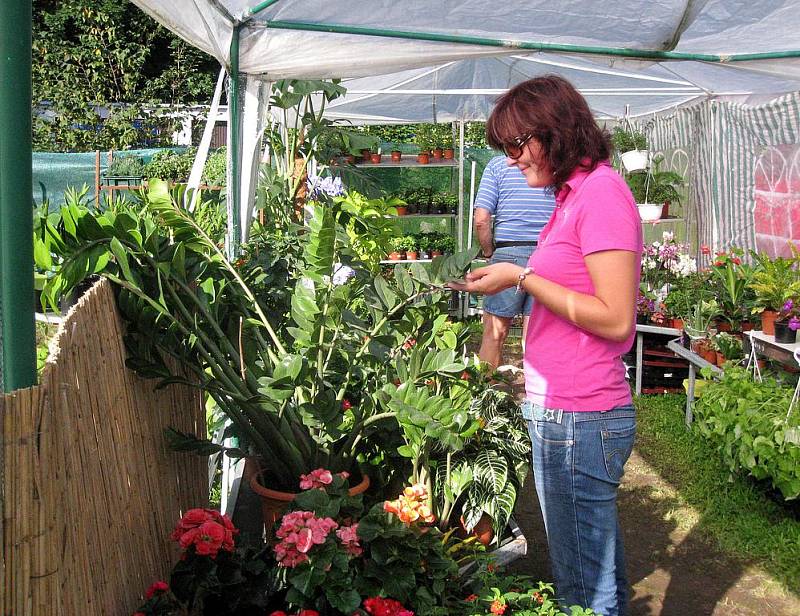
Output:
(521, 277)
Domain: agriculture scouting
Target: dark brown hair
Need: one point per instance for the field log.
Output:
(551, 110)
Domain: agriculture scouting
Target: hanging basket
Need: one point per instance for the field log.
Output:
(649, 212)
(635, 160)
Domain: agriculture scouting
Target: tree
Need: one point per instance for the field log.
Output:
(90, 55)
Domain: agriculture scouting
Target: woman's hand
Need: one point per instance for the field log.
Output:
(489, 280)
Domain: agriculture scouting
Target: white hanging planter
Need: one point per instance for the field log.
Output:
(650, 212)
(635, 160)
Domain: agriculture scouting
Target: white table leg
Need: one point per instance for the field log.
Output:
(639, 353)
(690, 395)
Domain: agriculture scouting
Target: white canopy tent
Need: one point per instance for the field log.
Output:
(421, 61)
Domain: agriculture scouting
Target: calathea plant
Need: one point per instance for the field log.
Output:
(302, 396)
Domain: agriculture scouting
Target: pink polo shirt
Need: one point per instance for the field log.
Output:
(567, 367)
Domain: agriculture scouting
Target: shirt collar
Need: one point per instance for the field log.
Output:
(575, 180)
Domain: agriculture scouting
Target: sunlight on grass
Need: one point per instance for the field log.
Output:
(731, 510)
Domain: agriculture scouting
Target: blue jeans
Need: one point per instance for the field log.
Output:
(508, 303)
(578, 461)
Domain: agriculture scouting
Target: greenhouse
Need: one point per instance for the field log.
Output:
(248, 374)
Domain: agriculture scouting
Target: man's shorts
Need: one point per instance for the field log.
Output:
(509, 303)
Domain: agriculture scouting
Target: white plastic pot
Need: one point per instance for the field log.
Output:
(635, 160)
(650, 212)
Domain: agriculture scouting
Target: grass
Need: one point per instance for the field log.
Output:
(732, 510)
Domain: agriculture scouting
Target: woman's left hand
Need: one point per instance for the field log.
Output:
(489, 280)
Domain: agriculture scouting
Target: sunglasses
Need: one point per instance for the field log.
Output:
(514, 149)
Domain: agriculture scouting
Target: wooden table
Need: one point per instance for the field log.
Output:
(695, 361)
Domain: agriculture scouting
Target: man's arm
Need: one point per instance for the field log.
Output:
(483, 229)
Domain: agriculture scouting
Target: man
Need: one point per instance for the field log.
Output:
(520, 212)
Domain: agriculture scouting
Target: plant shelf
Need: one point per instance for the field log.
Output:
(453, 162)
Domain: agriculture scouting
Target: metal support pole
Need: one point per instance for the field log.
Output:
(18, 332)
(235, 150)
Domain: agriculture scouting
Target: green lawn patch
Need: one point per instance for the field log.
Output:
(733, 510)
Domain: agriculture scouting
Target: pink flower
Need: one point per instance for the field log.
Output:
(348, 536)
(299, 532)
(379, 606)
(157, 587)
(316, 479)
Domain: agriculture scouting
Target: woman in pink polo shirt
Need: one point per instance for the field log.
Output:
(583, 277)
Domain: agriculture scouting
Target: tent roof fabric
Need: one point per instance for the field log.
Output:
(277, 42)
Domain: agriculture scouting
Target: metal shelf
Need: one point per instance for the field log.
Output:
(390, 164)
(667, 220)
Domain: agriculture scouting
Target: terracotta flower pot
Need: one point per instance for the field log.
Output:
(375, 158)
(411, 255)
(395, 256)
(274, 503)
(723, 326)
(402, 210)
(768, 321)
(436, 253)
(366, 154)
(449, 153)
(397, 155)
(677, 323)
(437, 153)
(423, 158)
(784, 334)
(720, 358)
(350, 159)
(483, 530)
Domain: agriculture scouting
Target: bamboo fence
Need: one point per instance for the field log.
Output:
(90, 491)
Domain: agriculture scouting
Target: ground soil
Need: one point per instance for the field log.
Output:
(673, 568)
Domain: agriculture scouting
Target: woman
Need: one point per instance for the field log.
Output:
(583, 277)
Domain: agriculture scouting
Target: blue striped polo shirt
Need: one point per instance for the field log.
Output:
(520, 212)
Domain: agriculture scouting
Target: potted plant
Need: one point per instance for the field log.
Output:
(653, 189)
(397, 156)
(375, 157)
(425, 140)
(124, 170)
(447, 244)
(287, 394)
(787, 322)
(697, 324)
(677, 304)
(398, 249)
(730, 278)
(773, 281)
(439, 203)
(631, 145)
(410, 247)
(451, 203)
(728, 347)
(422, 241)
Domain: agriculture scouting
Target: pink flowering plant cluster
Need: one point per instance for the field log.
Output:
(335, 558)
(666, 261)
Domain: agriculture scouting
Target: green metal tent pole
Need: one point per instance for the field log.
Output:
(644, 54)
(235, 133)
(18, 333)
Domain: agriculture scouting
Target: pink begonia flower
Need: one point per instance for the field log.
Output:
(348, 535)
(316, 479)
(300, 531)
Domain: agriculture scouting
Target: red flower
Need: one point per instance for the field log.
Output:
(471, 598)
(278, 613)
(465, 376)
(308, 613)
(497, 607)
(208, 530)
(539, 598)
(409, 343)
(158, 587)
(736, 260)
(718, 263)
(491, 567)
(705, 249)
(346, 404)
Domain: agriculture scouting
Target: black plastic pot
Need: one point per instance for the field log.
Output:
(783, 334)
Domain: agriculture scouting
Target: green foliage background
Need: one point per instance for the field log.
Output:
(108, 54)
